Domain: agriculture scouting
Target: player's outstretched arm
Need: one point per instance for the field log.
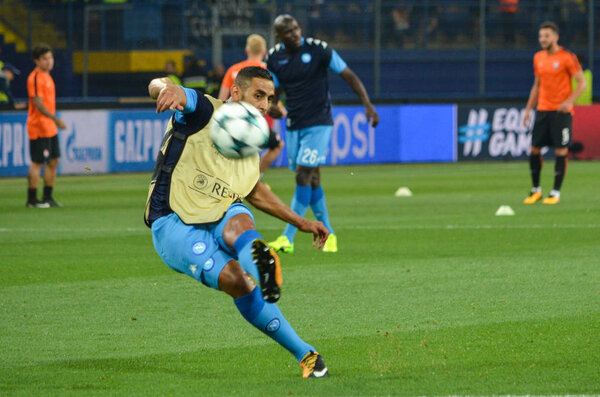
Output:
(265, 200)
(354, 82)
(167, 95)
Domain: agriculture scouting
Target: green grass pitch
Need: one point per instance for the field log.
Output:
(429, 295)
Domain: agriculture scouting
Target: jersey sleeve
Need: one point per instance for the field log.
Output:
(535, 69)
(34, 86)
(573, 65)
(336, 64)
(196, 114)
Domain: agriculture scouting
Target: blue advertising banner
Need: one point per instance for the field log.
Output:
(135, 138)
(14, 144)
(103, 141)
(406, 133)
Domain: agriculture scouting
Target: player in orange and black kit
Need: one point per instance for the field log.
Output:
(553, 67)
(42, 127)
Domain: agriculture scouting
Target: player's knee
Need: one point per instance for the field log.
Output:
(536, 150)
(234, 281)
(304, 176)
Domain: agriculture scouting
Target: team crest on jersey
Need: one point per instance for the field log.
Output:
(199, 247)
(306, 57)
(555, 64)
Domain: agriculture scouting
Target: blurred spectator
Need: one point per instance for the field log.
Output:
(7, 75)
(586, 96)
(194, 75)
(401, 19)
(214, 79)
(171, 72)
(508, 13)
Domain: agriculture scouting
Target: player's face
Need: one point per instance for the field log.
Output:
(289, 34)
(259, 94)
(548, 38)
(45, 62)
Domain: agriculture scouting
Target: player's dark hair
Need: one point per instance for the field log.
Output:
(245, 76)
(40, 50)
(549, 25)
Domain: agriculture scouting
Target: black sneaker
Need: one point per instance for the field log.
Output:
(37, 204)
(313, 366)
(267, 262)
(51, 203)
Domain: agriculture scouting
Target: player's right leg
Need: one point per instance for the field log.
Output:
(36, 153)
(535, 167)
(540, 137)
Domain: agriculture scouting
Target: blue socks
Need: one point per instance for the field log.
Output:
(243, 247)
(300, 203)
(268, 318)
(305, 196)
(318, 205)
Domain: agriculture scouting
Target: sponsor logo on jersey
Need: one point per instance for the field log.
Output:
(209, 264)
(306, 57)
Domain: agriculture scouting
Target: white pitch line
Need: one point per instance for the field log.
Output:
(351, 227)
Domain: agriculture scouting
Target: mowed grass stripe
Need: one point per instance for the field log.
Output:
(429, 295)
(529, 357)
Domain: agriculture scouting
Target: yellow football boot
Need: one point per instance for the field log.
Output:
(282, 244)
(551, 200)
(533, 198)
(330, 244)
(313, 366)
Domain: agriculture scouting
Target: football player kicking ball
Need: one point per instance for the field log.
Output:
(210, 236)
(553, 67)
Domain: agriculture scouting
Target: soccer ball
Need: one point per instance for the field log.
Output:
(239, 130)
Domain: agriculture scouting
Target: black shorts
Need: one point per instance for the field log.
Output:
(42, 150)
(552, 129)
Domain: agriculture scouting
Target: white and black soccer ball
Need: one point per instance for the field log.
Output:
(239, 130)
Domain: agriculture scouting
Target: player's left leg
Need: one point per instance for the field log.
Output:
(561, 138)
(193, 250)
(50, 172)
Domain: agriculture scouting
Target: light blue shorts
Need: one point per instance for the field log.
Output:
(308, 146)
(196, 250)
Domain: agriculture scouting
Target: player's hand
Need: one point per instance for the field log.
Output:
(318, 230)
(168, 99)
(372, 115)
(60, 124)
(564, 107)
(526, 118)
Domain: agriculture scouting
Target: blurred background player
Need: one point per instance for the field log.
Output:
(256, 49)
(7, 100)
(171, 72)
(299, 67)
(42, 127)
(553, 68)
(216, 233)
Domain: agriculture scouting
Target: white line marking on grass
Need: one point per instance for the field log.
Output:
(350, 227)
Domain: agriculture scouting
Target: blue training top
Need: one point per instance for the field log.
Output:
(303, 77)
